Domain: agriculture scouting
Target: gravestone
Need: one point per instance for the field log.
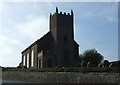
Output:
(83, 64)
(89, 64)
(100, 65)
(111, 65)
(105, 63)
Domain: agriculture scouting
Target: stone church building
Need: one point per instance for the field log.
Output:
(57, 47)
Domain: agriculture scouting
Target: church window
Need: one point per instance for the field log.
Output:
(28, 60)
(24, 60)
(32, 58)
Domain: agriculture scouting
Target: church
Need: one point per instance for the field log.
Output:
(57, 48)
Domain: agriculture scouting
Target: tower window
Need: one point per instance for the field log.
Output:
(32, 58)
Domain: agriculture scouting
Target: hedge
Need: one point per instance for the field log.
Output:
(67, 69)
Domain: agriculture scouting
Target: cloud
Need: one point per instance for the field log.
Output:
(106, 11)
(108, 55)
(110, 12)
(19, 27)
(87, 14)
(2, 7)
(10, 49)
(34, 28)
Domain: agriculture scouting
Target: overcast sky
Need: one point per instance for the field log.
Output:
(95, 24)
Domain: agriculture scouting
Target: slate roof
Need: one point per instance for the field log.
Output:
(37, 41)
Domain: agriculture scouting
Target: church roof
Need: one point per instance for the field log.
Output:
(47, 34)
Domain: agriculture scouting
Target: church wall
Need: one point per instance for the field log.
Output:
(29, 51)
(48, 60)
(46, 46)
(25, 54)
(40, 59)
(35, 60)
(76, 55)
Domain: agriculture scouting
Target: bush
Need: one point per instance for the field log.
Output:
(91, 56)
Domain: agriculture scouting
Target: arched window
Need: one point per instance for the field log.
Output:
(32, 58)
(28, 60)
(24, 60)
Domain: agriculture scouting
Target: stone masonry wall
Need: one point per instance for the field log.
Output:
(62, 77)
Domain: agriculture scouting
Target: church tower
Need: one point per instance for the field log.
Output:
(62, 30)
(57, 47)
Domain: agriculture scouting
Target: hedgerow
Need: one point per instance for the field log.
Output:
(67, 69)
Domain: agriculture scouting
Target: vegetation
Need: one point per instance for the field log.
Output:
(91, 56)
(68, 69)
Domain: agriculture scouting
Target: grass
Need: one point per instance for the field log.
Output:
(68, 69)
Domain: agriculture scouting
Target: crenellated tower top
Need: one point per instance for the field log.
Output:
(62, 21)
(60, 13)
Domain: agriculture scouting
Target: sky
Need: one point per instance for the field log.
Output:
(22, 23)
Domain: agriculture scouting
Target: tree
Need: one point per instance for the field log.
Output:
(91, 56)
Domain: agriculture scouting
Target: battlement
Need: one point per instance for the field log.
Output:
(60, 13)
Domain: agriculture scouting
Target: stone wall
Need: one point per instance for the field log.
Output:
(62, 77)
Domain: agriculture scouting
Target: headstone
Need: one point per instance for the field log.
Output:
(100, 65)
(115, 63)
(111, 65)
(89, 64)
(20, 65)
(57, 66)
(105, 63)
(83, 64)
